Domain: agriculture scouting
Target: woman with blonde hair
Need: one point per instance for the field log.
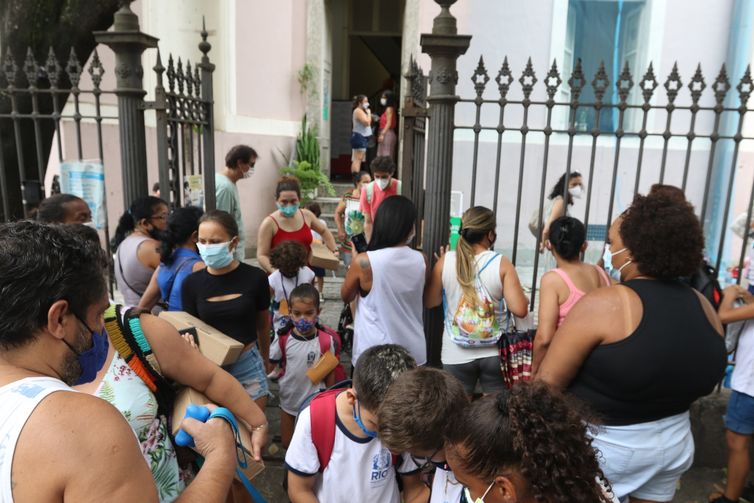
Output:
(472, 282)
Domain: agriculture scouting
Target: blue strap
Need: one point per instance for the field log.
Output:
(223, 413)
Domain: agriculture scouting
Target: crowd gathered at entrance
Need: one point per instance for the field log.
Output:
(598, 409)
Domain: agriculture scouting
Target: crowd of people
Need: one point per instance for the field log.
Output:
(621, 351)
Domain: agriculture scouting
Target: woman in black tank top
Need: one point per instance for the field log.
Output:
(639, 353)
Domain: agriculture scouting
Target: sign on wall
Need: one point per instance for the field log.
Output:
(86, 179)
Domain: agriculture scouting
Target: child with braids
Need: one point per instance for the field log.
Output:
(526, 445)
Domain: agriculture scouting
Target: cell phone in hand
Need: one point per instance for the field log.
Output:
(359, 242)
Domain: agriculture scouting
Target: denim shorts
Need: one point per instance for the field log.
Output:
(250, 372)
(739, 416)
(359, 141)
(485, 370)
(645, 460)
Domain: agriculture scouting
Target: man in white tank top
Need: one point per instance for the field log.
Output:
(56, 444)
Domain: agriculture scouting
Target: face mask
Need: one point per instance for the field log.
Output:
(288, 211)
(607, 259)
(467, 494)
(304, 326)
(357, 417)
(216, 255)
(365, 106)
(156, 234)
(91, 360)
(247, 174)
(576, 191)
(383, 102)
(383, 183)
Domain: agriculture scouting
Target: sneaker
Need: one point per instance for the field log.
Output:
(274, 375)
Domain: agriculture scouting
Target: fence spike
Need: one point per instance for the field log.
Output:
(204, 46)
(673, 84)
(744, 87)
(624, 84)
(480, 77)
(528, 79)
(31, 68)
(73, 68)
(159, 69)
(721, 86)
(504, 78)
(10, 69)
(600, 82)
(697, 85)
(96, 70)
(553, 80)
(576, 82)
(52, 68)
(179, 75)
(171, 73)
(648, 84)
(189, 80)
(197, 82)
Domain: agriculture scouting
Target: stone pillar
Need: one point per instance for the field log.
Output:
(128, 43)
(444, 46)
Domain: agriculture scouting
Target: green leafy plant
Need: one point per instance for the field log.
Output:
(311, 178)
(307, 145)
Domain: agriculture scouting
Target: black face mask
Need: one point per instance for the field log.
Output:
(157, 234)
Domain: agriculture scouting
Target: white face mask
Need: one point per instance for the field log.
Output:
(576, 192)
(365, 106)
(247, 174)
(383, 102)
(383, 183)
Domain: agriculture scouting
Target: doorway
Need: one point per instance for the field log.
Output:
(367, 40)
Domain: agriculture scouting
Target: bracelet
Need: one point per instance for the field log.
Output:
(260, 427)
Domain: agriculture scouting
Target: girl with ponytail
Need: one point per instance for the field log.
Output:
(470, 283)
(526, 445)
(563, 286)
(178, 258)
(136, 244)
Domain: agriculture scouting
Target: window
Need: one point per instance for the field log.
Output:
(606, 31)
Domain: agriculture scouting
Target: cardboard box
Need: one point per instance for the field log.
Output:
(322, 368)
(324, 258)
(213, 344)
(188, 396)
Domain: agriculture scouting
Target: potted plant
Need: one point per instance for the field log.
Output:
(306, 167)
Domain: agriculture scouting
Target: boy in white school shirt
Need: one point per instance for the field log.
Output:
(335, 456)
(414, 417)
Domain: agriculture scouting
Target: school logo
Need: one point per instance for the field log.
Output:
(380, 467)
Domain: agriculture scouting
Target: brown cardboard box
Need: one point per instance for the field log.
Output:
(188, 396)
(213, 344)
(324, 258)
(322, 368)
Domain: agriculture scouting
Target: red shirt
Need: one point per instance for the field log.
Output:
(303, 235)
(378, 195)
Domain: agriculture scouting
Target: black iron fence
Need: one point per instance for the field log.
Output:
(39, 102)
(516, 136)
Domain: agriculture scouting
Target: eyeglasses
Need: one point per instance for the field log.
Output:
(426, 465)
(467, 494)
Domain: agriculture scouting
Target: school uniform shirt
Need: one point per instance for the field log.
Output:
(359, 468)
(281, 292)
(445, 487)
(300, 355)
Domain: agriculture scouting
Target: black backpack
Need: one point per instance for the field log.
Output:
(705, 282)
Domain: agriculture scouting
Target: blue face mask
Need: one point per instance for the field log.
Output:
(304, 326)
(289, 210)
(357, 417)
(216, 255)
(607, 260)
(91, 360)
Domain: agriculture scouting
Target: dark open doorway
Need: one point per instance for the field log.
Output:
(366, 59)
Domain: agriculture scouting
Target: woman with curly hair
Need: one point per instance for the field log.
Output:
(526, 445)
(640, 352)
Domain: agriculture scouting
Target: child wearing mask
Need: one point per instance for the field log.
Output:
(289, 259)
(300, 347)
(345, 461)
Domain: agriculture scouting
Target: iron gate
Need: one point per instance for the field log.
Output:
(414, 113)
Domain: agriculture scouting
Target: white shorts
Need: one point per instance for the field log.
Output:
(646, 460)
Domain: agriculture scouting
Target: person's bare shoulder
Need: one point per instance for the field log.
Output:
(78, 441)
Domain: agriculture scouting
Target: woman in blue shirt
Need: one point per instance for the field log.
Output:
(178, 258)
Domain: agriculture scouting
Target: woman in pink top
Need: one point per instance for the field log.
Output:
(563, 286)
